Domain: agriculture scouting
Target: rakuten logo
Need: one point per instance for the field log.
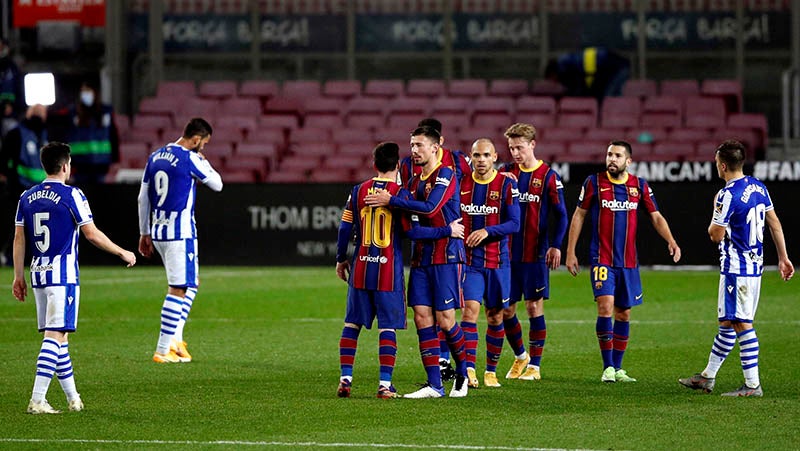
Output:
(375, 259)
(528, 197)
(472, 209)
(615, 205)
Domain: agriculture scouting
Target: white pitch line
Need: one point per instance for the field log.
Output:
(265, 443)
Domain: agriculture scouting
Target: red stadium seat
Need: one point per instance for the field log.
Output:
(586, 151)
(704, 112)
(151, 122)
(467, 88)
(547, 88)
(425, 87)
(217, 89)
(301, 89)
(322, 120)
(299, 163)
(673, 150)
(403, 120)
(365, 112)
(552, 151)
(577, 112)
(174, 89)
(193, 107)
(690, 135)
(262, 89)
(244, 123)
(133, 154)
(255, 164)
(753, 121)
(155, 105)
(604, 134)
(751, 138)
(409, 105)
(287, 177)
(286, 121)
(560, 134)
(536, 105)
(150, 137)
(265, 150)
(662, 112)
(728, 89)
(642, 135)
(383, 88)
(679, 88)
(341, 88)
(620, 112)
(458, 105)
(498, 121)
(508, 88)
(328, 175)
(640, 88)
(241, 106)
(241, 176)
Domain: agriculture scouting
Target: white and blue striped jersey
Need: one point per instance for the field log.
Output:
(167, 194)
(52, 213)
(741, 208)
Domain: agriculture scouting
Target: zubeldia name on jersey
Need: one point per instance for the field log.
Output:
(44, 194)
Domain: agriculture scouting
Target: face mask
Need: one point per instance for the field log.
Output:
(87, 98)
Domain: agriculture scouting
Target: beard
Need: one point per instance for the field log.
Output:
(615, 171)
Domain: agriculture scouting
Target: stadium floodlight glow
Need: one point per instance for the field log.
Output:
(40, 89)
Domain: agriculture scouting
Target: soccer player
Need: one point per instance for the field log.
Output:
(376, 281)
(166, 223)
(456, 160)
(490, 213)
(434, 288)
(49, 216)
(741, 209)
(612, 200)
(532, 256)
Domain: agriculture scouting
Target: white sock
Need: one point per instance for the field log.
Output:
(64, 373)
(723, 344)
(188, 300)
(748, 353)
(45, 367)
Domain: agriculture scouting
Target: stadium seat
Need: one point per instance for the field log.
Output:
(729, 90)
(349, 162)
(408, 105)
(174, 89)
(557, 134)
(673, 150)
(365, 112)
(498, 121)
(586, 151)
(150, 137)
(662, 112)
(679, 88)
(219, 149)
(383, 88)
(620, 112)
(302, 164)
(706, 150)
(329, 121)
(344, 89)
(301, 89)
(750, 137)
(472, 88)
(704, 112)
(217, 89)
(346, 135)
(577, 112)
(307, 135)
(133, 154)
(241, 176)
(268, 136)
(754, 121)
(691, 135)
(262, 89)
(266, 150)
(284, 105)
(604, 134)
(407, 121)
(241, 106)
(286, 121)
(537, 110)
(255, 164)
(364, 173)
(402, 136)
(451, 122)
(230, 133)
(155, 105)
(645, 135)
(151, 122)
(546, 87)
(551, 151)
(328, 175)
(122, 122)
(444, 104)
(640, 88)
(425, 87)
(194, 106)
(287, 177)
(244, 123)
(508, 88)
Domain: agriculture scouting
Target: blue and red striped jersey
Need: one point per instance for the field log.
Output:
(492, 205)
(613, 208)
(435, 205)
(377, 263)
(454, 159)
(540, 192)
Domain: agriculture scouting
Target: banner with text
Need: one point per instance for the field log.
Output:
(90, 13)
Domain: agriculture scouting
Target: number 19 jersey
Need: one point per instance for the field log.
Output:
(52, 214)
(741, 208)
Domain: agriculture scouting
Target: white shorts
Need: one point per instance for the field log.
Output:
(57, 307)
(180, 261)
(738, 297)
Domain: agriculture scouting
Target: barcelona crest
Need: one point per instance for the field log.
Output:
(633, 191)
(537, 183)
(494, 195)
(598, 285)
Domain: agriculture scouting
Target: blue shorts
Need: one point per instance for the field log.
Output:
(436, 286)
(488, 285)
(622, 283)
(529, 281)
(364, 305)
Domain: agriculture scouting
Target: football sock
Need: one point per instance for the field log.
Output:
(605, 336)
(620, 344)
(455, 338)
(470, 342)
(429, 351)
(494, 345)
(387, 352)
(170, 316)
(45, 367)
(514, 335)
(748, 353)
(723, 345)
(188, 300)
(347, 350)
(536, 338)
(64, 372)
(444, 350)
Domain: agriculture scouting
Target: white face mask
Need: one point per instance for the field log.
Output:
(87, 98)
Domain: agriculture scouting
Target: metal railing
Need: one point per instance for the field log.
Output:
(790, 104)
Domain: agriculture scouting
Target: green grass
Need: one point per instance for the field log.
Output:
(265, 343)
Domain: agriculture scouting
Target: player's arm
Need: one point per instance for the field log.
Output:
(776, 230)
(509, 214)
(145, 241)
(417, 232)
(439, 195)
(343, 240)
(553, 255)
(719, 220)
(101, 241)
(575, 228)
(19, 288)
(662, 227)
(201, 168)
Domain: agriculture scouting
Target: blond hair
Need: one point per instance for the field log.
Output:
(520, 130)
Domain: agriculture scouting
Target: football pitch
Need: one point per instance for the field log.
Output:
(265, 372)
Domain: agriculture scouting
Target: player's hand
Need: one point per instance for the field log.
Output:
(20, 289)
(380, 198)
(786, 269)
(553, 258)
(146, 246)
(674, 251)
(572, 264)
(457, 229)
(475, 238)
(128, 257)
(510, 175)
(343, 270)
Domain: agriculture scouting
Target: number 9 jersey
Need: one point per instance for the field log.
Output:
(167, 196)
(741, 208)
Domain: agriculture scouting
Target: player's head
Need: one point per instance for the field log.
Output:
(424, 144)
(618, 157)
(521, 142)
(729, 157)
(483, 156)
(197, 133)
(434, 124)
(386, 155)
(55, 158)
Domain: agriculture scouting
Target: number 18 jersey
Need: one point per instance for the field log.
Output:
(741, 208)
